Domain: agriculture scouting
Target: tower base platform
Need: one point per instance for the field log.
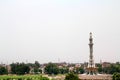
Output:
(95, 77)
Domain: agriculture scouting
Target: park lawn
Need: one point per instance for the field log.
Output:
(23, 77)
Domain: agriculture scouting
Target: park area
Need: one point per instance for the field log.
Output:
(23, 77)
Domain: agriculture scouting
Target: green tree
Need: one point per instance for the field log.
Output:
(3, 70)
(79, 70)
(99, 68)
(71, 76)
(63, 70)
(19, 68)
(37, 70)
(36, 67)
(51, 68)
(116, 76)
(37, 64)
(112, 69)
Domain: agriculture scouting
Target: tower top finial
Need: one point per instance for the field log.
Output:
(90, 34)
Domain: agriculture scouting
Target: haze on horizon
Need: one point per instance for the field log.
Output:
(58, 30)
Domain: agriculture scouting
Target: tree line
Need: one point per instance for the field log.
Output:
(52, 68)
(113, 68)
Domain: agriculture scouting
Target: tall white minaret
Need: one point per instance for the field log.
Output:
(91, 61)
(91, 69)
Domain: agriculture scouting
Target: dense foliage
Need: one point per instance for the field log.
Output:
(51, 69)
(79, 70)
(54, 68)
(37, 70)
(109, 69)
(19, 68)
(71, 76)
(25, 77)
(3, 70)
(63, 70)
(116, 76)
(113, 68)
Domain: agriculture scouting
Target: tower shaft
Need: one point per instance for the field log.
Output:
(91, 61)
(91, 69)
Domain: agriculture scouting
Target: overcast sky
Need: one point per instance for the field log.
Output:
(58, 30)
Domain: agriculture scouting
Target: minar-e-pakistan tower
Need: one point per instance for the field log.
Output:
(91, 69)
